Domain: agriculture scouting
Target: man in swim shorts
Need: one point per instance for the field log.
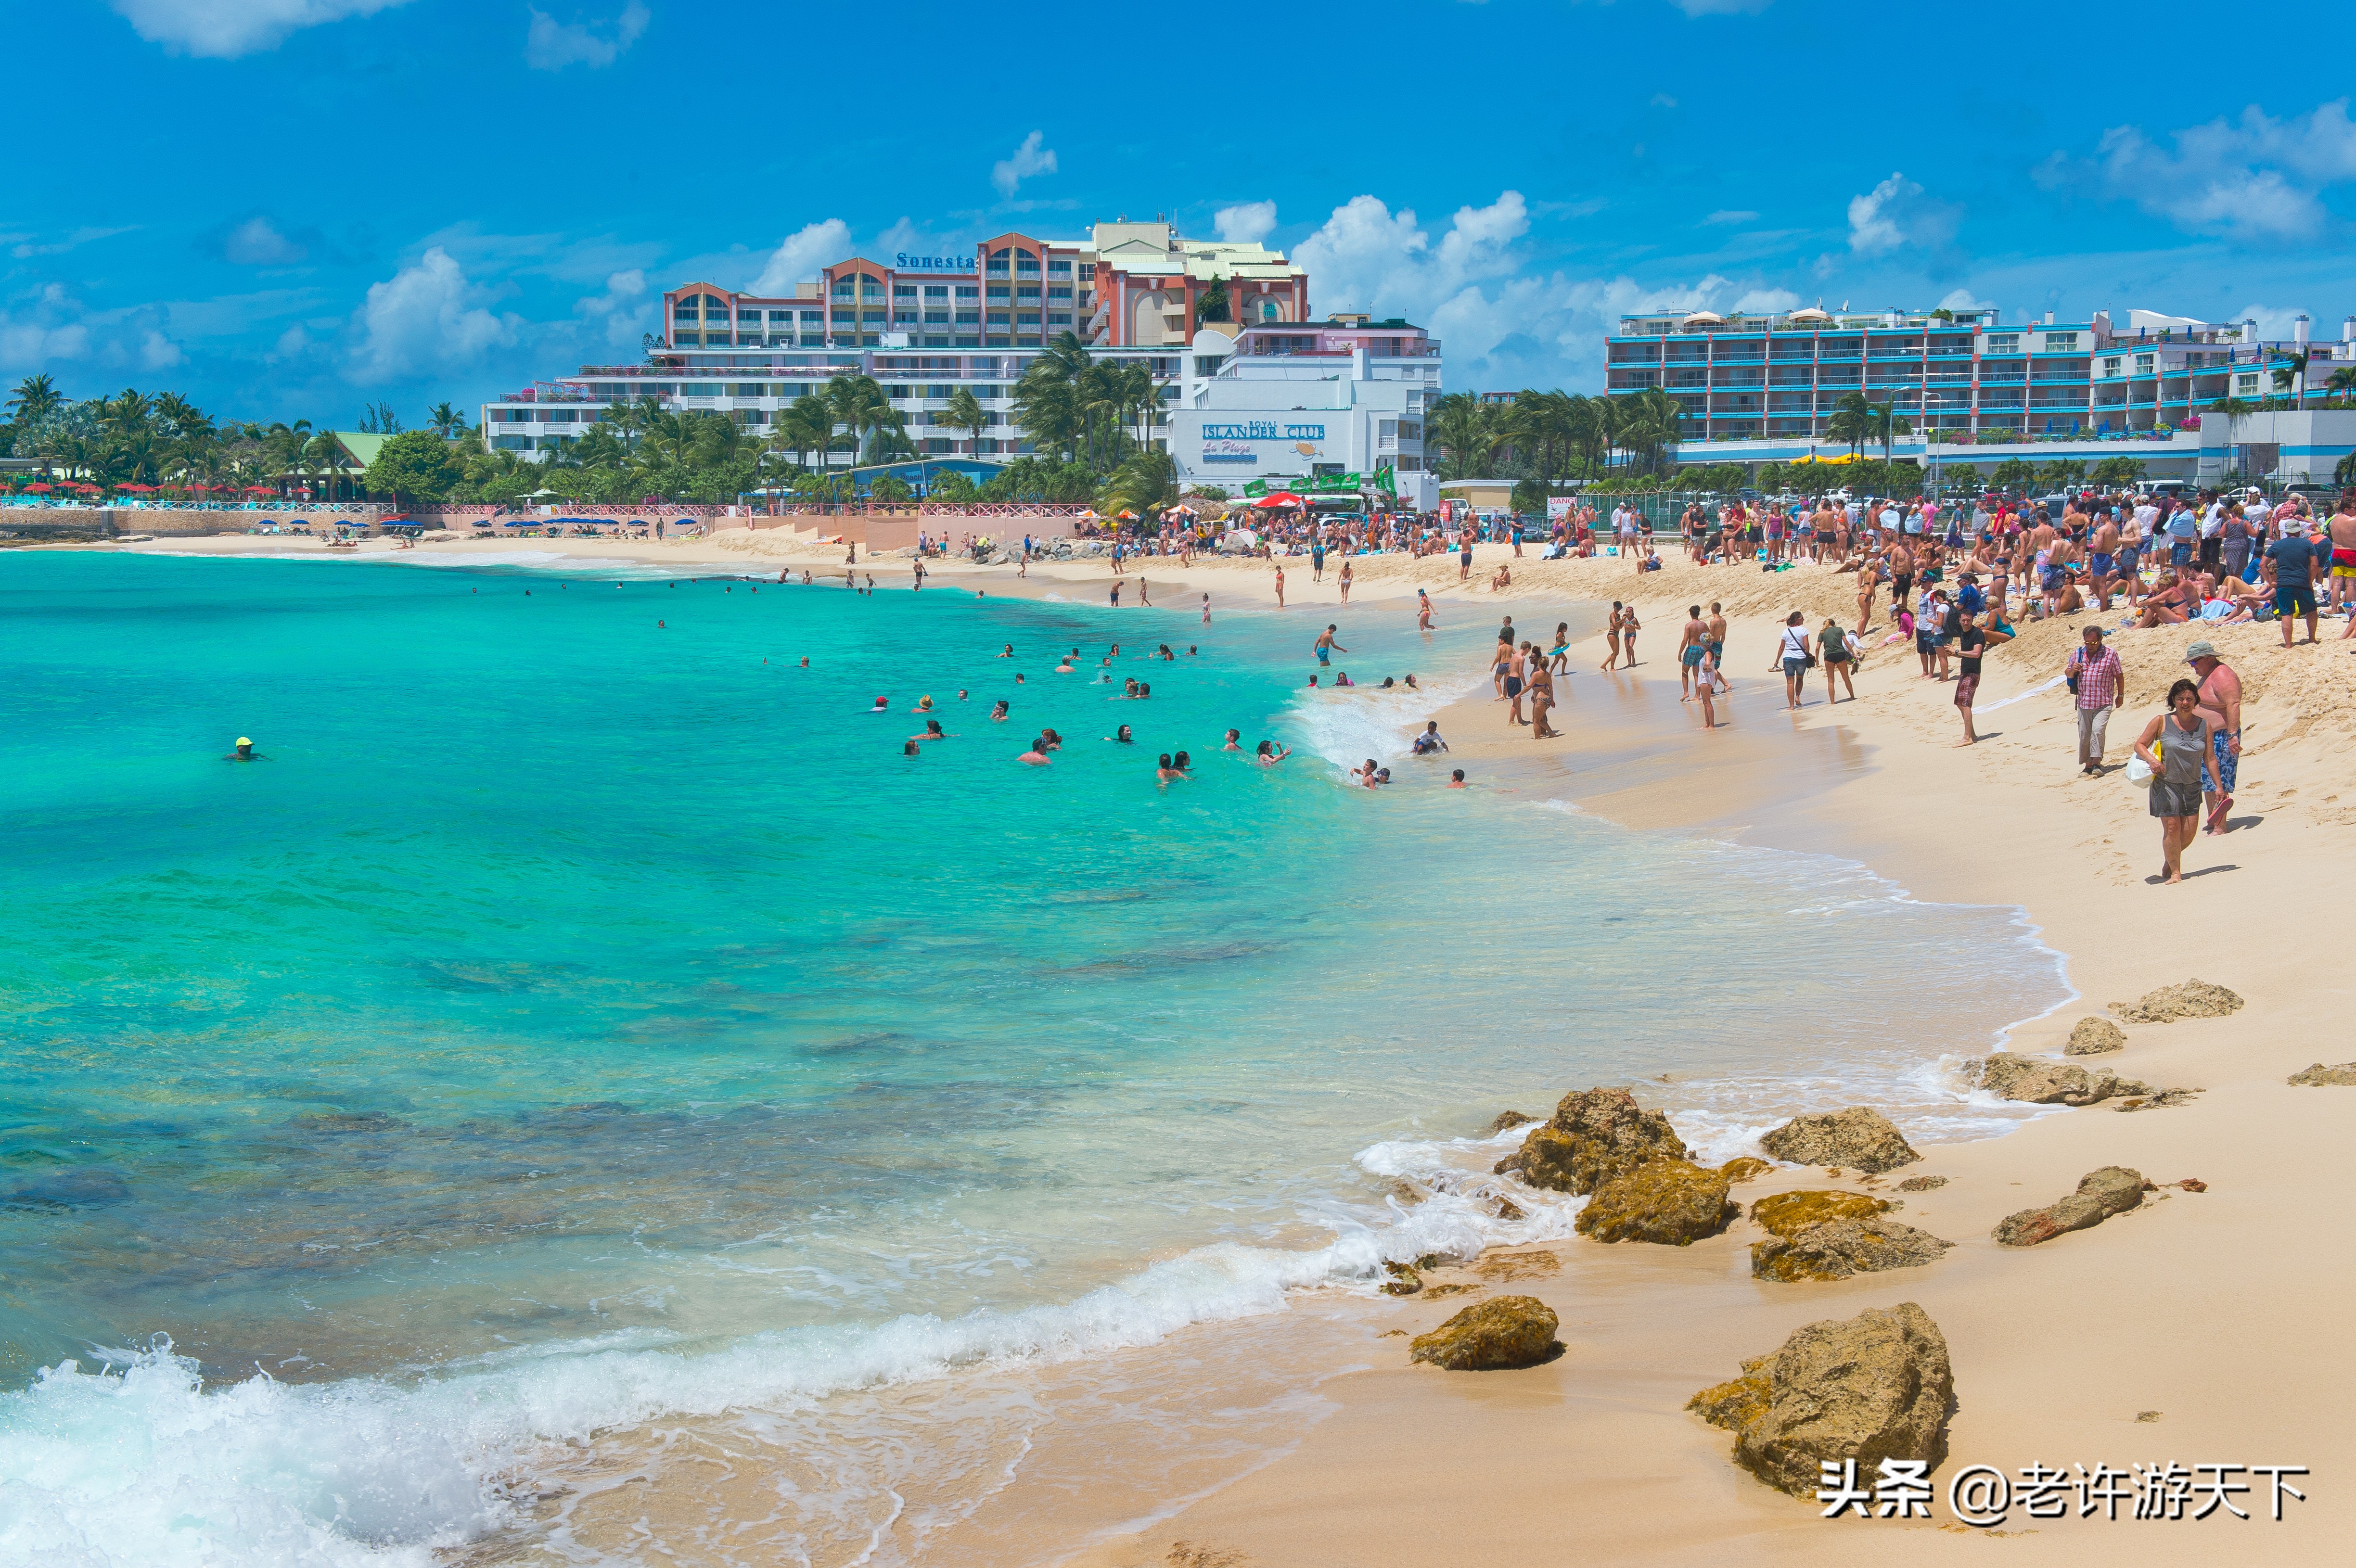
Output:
(1690, 643)
(1326, 647)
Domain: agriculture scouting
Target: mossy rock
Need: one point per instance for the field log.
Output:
(1741, 1402)
(1841, 1248)
(1670, 1202)
(1789, 1213)
(2094, 1037)
(1745, 1167)
(1503, 1332)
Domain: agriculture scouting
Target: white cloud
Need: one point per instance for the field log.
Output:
(1896, 213)
(1731, 215)
(46, 329)
(256, 242)
(1964, 299)
(552, 45)
(2254, 179)
(623, 307)
(1768, 300)
(799, 256)
(1663, 101)
(224, 29)
(1245, 223)
(1031, 158)
(26, 246)
(424, 319)
(2274, 321)
(157, 352)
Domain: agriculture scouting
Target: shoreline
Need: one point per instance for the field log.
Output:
(2247, 1273)
(1415, 1452)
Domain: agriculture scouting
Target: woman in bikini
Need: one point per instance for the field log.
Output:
(1559, 659)
(1611, 636)
(1628, 630)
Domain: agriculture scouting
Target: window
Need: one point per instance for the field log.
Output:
(998, 318)
(844, 289)
(1408, 463)
(968, 291)
(2061, 342)
(904, 291)
(908, 317)
(2004, 343)
(2144, 363)
(1087, 271)
(1028, 293)
(1410, 430)
(969, 318)
(2110, 366)
(813, 318)
(939, 394)
(700, 389)
(936, 318)
(936, 291)
(871, 318)
(1056, 294)
(2246, 382)
(1059, 318)
(999, 291)
(1059, 269)
(1027, 318)
(899, 391)
(870, 288)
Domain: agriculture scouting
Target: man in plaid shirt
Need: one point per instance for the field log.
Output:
(2101, 683)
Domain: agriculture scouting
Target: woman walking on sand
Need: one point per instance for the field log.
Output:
(1560, 658)
(2175, 747)
(1611, 637)
(1795, 653)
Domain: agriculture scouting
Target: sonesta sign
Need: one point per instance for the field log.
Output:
(904, 263)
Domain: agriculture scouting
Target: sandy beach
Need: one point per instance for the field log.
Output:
(2199, 1328)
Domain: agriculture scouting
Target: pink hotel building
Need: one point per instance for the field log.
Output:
(925, 325)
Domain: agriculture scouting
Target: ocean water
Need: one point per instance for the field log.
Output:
(585, 1016)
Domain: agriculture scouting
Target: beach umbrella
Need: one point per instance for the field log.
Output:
(1280, 498)
(36, 489)
(138, 489)
(1127, 516)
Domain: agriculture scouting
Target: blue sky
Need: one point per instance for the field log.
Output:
(294, 206)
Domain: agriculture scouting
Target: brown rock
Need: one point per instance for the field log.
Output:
(1789, 1213)
(1873, 1387)
(1737, 1404)
(2320, 1076)
(2192, 999)
(2040, 1082)
(1505, 1332)
(1672, 1202)
(1509, 1119)
(1509, 1210)
(2114, 1189)
(1840, 1248)
(1404, 1279)
(2093, 1037)
(1594, 1134)
(1859, 1137)
(2155, 1102)
(2193, 1184)
(1922, 1183)
(1745, 1167)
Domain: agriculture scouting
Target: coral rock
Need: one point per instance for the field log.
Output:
(2093, 1037)
(2192, 999)
(1505, 1332)
(1859, 1137)
(2008, 1076)
(1922, 1183)
(1789, 1213)
(1509, 1119)
(2318, 1076)
(1670, 1201)
(2114, 1189)
(1593, 1135)
(1873, 1387)
(1840, 1248)
(1744, 1168)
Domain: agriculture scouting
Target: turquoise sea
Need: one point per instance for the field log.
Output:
(584, 1014)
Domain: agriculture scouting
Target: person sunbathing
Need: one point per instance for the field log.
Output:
(2165, 606)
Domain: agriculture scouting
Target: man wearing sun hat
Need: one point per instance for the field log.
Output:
(2221, 704)
(2295, 557)
(244, 752)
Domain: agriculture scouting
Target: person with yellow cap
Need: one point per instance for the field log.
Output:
(244, 752)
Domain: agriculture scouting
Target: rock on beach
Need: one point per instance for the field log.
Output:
(1840, 1248)
(1673, 1202)
(1593, 1135)
(2009, 1076)
(1859, 1138)
(1503, 1332)
(2192, 999)
(2094, 1037)
(2320, 1076)
(1873, 1387)
(2114, 1189)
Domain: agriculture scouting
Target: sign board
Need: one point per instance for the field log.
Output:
(904, 263)
(1558, 508)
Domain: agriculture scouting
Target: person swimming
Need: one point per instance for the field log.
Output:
(999, 714)
(923, 704)
(1009, 653)
(1268, 756)
(883, 705)
(244, 752)
(1144, 691)
(909, 749)
(1036, 756)
(932, 732)
(1128, 686)
(1234, 741)
(1164, 771)
(1122, 736)
(1183, 762)
(1456, 779)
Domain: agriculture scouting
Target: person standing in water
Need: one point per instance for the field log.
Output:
(1422, 611)
(244, 752)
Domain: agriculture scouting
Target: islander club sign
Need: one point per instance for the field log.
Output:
(904, 263)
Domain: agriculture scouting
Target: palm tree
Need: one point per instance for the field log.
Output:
(806, 425)
(859, 402)
(2293, 370)
(322, 454)
(445, 421)
(2343, 382)
(1886, 422)
(35, 396)
(965, 412)
(1851, 422)
(1145, 483)
(1459, 427)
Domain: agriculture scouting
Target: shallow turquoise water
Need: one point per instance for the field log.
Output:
(577, 1017)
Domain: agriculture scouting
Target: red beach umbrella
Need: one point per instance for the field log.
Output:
(1282, 499)
(36, 489)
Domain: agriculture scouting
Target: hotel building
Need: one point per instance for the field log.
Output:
(925, 326)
